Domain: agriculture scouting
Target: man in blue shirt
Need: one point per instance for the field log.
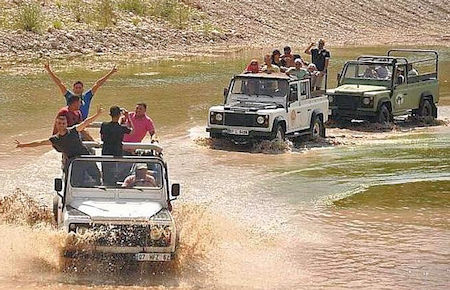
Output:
(77, 90)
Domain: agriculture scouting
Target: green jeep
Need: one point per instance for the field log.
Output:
(376, 88)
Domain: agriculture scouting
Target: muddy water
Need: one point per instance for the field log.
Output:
(370, 213)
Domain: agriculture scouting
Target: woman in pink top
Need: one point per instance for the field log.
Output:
(142, 124)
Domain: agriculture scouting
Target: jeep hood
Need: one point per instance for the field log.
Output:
(358, 89)
(250, 106)
(117, 210)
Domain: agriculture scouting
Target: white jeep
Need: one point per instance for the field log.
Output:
(268, 106)
(118, 205)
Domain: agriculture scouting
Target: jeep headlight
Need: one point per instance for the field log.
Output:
(260, 120)
(366, 101)
(219, 117)
(160, 235)
(216, 118)
(330, 98)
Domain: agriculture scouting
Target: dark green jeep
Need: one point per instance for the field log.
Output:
(376, 88)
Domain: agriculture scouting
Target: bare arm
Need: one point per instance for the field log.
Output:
(33, 144)
(56, 79)
(308, 49)
(102, 80)
(80, 127)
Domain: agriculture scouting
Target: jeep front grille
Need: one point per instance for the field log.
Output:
(243, 120)
(129, 236)
(346, 102)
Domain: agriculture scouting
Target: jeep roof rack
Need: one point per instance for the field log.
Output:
(135, 146)
(266, 75)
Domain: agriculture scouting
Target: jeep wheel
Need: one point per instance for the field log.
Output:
(384, 116)
(317, 128)
(425, 109)
(278, 133)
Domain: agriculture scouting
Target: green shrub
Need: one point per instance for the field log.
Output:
(136, 21)
(29, 16)
(173, 11)
(138, 7)
(57, 24)
(79, 9)
(105, 13)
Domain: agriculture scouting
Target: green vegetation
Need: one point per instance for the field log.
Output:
(57, 24)
(173, 11)
(138, 7)
(79, 10)
(105, 13)
(29, 17)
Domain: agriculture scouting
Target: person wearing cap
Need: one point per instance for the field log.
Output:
(320, 57)
(78, 88)
(297, 70)
(276, 58)
(140, 178)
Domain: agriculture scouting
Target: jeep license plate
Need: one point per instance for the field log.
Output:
(154, 257)
(237, 131)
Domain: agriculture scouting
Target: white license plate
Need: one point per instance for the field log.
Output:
(154, 257)
(237, 131)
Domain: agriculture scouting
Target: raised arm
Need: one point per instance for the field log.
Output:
(308, 49)
(55, 78)
(33, 144)
(80, 127)
(102, 80)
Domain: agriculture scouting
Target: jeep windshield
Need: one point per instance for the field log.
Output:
(257, 90)
(124, 174)
(367, 73)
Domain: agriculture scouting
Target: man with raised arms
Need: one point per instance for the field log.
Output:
(66, 140)
(78, 89)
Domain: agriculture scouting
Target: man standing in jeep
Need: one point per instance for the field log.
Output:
(87, 96)
(320, 57)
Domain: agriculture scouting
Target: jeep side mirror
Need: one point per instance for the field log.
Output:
(58, 184)
(175, 189)
(225, 92)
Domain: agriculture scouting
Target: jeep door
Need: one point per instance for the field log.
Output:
(306, 104)
(293, 118)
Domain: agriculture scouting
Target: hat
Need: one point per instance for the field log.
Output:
(141, 166)
(298, 60)
(114, 111)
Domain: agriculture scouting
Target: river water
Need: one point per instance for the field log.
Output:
(371, 212)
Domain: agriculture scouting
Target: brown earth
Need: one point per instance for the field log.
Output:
(235, 23)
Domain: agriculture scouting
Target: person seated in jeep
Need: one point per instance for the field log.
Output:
(370, 73)
(140, 178)
(253, 67)
(412, 72)
(298, 70)
(268, 66)
(382, 71)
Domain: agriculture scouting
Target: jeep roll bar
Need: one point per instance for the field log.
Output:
(435, 57)
(127, 146)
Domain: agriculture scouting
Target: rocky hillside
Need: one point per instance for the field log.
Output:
(118, 26)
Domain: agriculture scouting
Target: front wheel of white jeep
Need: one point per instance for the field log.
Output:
(278, 133)
(317, 128)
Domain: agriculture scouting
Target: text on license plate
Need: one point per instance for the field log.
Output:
(152, 257)
(237, 131)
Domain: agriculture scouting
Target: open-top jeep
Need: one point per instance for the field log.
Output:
(118, 205)
(268, 106)
(376, 88)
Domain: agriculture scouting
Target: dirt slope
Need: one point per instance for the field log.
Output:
(238, 23)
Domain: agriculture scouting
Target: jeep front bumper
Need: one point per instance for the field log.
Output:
(239, 133)
(358, 113)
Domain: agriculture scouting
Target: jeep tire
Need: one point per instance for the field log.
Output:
(384, 115)
(278, 132)
(425, 109)
(317, 128)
